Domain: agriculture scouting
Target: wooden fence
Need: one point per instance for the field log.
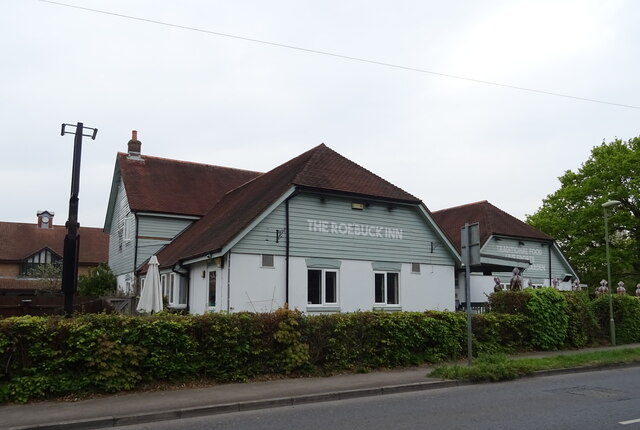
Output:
(17, 305)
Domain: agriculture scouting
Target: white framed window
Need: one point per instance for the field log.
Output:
(322, 287)
(387, 288)
(212, 289)
(267, 260)
(127, 223)
(415, 267)
(176, 291)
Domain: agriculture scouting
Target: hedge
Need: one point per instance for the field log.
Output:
(44, 357)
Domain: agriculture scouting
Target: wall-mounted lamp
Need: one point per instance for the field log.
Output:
(204, 273)
(357, 206)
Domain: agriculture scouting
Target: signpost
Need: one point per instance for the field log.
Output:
(470, 246)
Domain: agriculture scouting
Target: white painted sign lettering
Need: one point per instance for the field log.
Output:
(353, 229)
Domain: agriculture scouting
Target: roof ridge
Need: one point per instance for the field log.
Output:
(464, 205)
(173, 160)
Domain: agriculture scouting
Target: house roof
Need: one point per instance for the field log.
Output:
(19, 241)
(493, 221)
(319, 169)
(161, 185)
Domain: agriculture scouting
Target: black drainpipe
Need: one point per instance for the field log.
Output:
(550, 247)
(135, 258)
(286, 258)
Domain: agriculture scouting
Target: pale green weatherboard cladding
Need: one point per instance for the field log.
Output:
(120, 251)
(155, 231)
(537, 251)
(330, 228)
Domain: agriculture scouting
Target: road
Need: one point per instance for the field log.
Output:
(606, 399)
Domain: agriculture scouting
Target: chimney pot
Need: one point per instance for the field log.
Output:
(134, 146)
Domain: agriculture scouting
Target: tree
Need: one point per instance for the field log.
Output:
(574, 216)
(49, 276)
(99, 282)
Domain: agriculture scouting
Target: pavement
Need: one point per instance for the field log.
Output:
(140, 407)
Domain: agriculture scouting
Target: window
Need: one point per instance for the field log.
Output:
(163, 282)
(415, 267)
(176, 290)
(322, 287)
(267, 260)
(126, 228)
(36, 264)
(387, 288)
(212, 289)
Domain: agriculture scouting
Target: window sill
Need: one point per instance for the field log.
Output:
(177, 307)
(387, 308)
(323, 308)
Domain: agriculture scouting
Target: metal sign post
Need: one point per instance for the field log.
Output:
(470, 241)
(71, 251)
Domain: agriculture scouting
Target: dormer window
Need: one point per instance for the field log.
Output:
(42, 257)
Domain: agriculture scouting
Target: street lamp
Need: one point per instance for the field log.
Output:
(612, 326)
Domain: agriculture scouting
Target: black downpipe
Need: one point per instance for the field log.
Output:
(286, 258)
(550, 248)
(135, 258)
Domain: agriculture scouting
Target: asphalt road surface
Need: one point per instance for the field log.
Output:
(606, 399)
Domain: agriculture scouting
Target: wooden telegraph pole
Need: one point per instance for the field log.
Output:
(71, 250)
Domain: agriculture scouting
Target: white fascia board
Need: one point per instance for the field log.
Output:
(564, 259)
(244, 232)
(115, 180)
(440, 233)
(165, 215)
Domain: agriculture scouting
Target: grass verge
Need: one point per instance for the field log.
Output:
(499, 367)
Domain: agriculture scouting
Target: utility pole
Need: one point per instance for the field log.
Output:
(71, 252)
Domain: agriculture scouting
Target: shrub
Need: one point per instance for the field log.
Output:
(583, 326)
(509, 302)
(548, 320)
(626, 316)
(99, 282)
(500, 333)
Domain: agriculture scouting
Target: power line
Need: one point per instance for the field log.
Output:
(344, 57)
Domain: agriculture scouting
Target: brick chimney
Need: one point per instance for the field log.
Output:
(45, 219)
(134, 146)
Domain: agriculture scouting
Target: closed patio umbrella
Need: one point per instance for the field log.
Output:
(151, 296)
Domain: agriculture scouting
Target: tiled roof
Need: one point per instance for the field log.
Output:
(19, 241)
(18, 284)
(319, 169)
(155, 184)
(493, 221)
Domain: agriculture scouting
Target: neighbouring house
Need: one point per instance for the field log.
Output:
(319, 233)
(26, 247)
(152, 200)
(505, 243)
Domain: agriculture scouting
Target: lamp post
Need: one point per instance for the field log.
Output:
(612, 325)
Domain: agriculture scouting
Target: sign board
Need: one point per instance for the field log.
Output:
(470, 235)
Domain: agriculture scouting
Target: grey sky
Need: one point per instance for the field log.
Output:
(211, 99)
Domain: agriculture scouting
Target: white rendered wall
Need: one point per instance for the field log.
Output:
(255, 288)
(482, 286)
(431, 289)
(198, 289)
(258, 289)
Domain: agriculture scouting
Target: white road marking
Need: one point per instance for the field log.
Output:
(624, 423)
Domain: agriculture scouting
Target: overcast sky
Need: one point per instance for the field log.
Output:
(196, 96)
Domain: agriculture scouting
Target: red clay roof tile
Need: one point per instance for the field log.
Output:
(19, 241)
(161, 185)
(493, 221)
(320, 168)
